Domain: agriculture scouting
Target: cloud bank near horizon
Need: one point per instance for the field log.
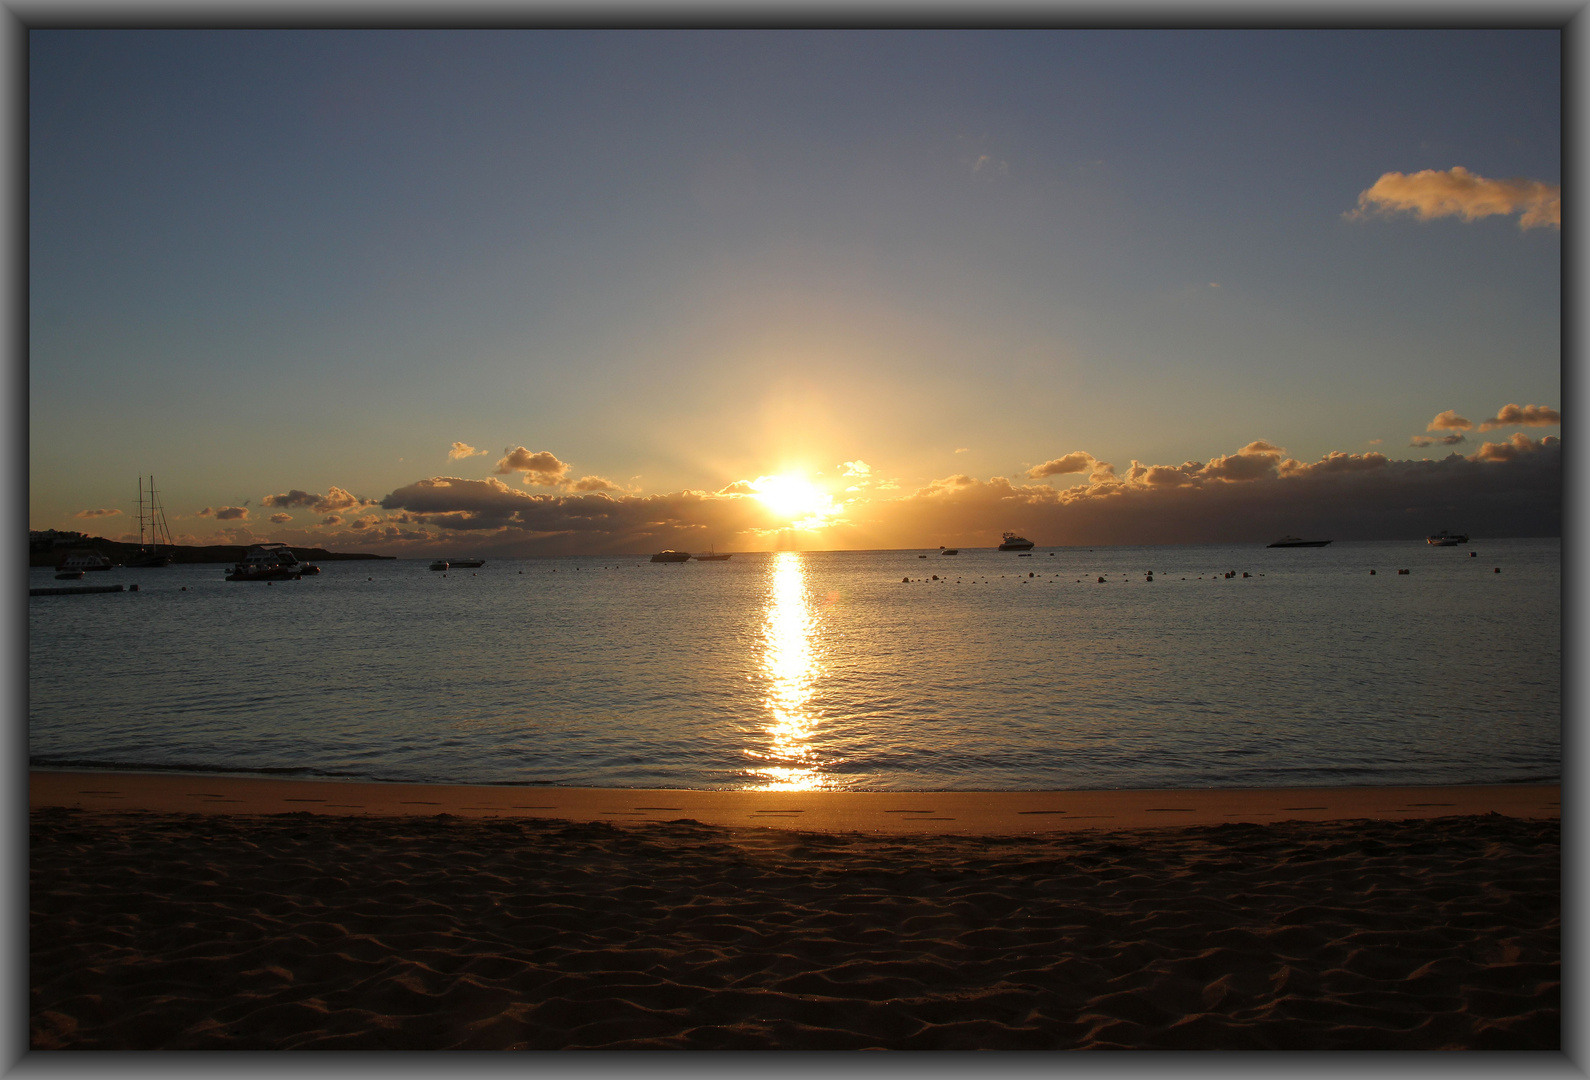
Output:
(1258, 492)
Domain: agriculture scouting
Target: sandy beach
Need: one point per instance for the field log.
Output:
(199, 912)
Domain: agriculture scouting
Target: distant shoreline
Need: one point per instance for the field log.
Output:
(119, 552)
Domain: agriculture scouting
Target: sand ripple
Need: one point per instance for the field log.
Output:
(297, 931)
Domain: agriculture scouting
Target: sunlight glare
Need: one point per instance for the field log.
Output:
(790, 662)
(797, 500)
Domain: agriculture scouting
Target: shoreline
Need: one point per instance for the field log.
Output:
(924, 812)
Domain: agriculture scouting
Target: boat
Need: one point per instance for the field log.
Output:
(270, 562)
(85, 560)
(1012, 542)
(69, 575)
(1293, 541)
(1446, 539)
(440, 564)
(151, 531)
(948, 551)
(671, 556)
(712, 556)
(468, 562)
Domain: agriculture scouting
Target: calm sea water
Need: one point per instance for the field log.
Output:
(827, 670)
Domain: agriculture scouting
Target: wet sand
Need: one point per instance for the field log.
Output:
(211, 913)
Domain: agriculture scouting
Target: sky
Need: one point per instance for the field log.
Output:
(526, 292)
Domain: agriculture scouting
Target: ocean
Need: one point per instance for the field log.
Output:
(830, 670)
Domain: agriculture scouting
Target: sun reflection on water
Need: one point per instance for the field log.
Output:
(789, 636)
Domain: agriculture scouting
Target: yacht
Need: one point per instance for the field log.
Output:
(1013, 542)
(270, 562)
(468, 562)
(1446, 539)
(85, 560)
(440, 564)
(671, 556)
(1293, 541)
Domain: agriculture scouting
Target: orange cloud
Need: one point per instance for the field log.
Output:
(541, 467)
(1457, 192)
(280, 519)
(1528, 416)
(593, 483)
(1254, 461)
(96, 513)
(1335, 462)
(334, 501)
(1078, 461)
(225, 513)
(1518, 446)
(1450, 421)
(464, 450)
(1445, 440)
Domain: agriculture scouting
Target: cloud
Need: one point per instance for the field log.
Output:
(334, 501)
(739, 487)
(1528, 416)
(280, 519)
(225, 513)
(1520, 445)
(464, 450)
(593, 483)
(292, 498)
(96, 513)
(337, 501)
(587, 522)
(1078, 461)
(541, 467)
(1251, 495)
(1256, 460)
(963, 449)
(1459, 193)
(1334, 462)
(1450, 421)
(991, 165)
(331, 519)
(1445, 440)
(856, 468)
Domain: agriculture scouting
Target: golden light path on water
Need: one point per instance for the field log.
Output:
(790, 661)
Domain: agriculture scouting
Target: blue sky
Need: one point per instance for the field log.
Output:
(274, 261)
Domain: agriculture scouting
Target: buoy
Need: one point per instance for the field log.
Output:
(1498, 570)
(935, 577)
(1029, 574)
(1371, 573)
(904, 580)
(1101, 581)
(184, 588)
(133, 587)
(1472, 554)
(1244, 573)
(1402, 571)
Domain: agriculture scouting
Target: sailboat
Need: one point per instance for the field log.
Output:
(712, 556)
(152, 530)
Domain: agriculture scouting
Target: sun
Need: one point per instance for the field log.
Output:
(793, 497)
